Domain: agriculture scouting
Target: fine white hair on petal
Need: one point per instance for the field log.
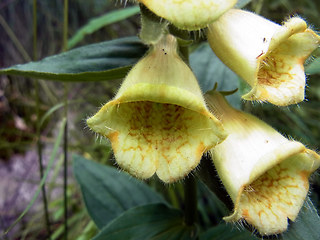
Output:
(240, 224)
(96, 136)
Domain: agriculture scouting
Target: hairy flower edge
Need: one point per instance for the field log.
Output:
(265, 174)
(268, 56)
(158, 122)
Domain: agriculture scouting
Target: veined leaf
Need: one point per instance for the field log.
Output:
(102, 21)
(96, 62)
(107, 192)
(149, 222)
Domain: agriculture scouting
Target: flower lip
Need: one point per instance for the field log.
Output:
(158, 121)
(265, 174)
(277, 195)
(269, 57)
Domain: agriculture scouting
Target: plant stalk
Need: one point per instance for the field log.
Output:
(65, 144)
(38, 132)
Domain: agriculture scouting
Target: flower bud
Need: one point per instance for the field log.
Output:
(191, 14)
(158, 122)
(265, 174)
(269, 57)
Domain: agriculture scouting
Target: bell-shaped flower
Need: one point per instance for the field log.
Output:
(158, 122)
(191, 14)
(265, 174)
(268, 56)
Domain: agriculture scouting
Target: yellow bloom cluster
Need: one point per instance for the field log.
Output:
(159, 122)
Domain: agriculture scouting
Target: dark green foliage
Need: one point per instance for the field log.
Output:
(107, 192)
(96, 62)
(102, 21)
(149, 222)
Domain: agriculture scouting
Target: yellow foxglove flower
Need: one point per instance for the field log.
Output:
(189, 14)
(269, 57)
(265, 174)
(158, 122)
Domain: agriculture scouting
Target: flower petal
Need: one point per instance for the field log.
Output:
(276, 195)
(269, 57)
(189, 14)
(158, 121)
(265, 174)
(149, 137)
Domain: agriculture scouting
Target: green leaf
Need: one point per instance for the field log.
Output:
(210, 70)
(149, 222)
(226, 232)
(102, 21)
(313, 67)
(306, 225)
(96, 62)
(107, 192)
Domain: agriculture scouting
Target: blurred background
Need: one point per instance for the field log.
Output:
(19, 167)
